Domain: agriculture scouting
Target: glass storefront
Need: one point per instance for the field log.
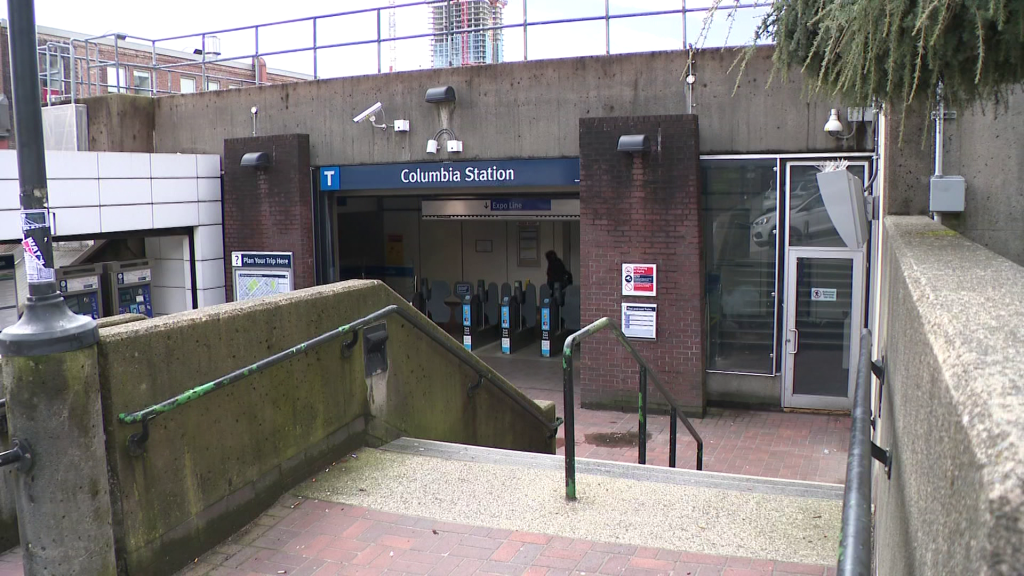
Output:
(740, 205)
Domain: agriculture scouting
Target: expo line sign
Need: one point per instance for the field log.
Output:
(639, 279)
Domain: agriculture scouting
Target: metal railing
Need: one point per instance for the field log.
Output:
(855, 538)
(94, 64)
(571, 343)
(137, 441)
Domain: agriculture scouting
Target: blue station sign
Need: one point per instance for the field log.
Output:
(471, 174)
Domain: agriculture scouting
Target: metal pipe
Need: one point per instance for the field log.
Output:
(256, 61)
(855, 537)
(570, 423)
(203, 87)
(607, 29)
(525, 51)
(316, 76)
(940, 121)
(378, 42)
(672, 435)
(117, 66)
(73, 66)
(641, 457)
(684, 23)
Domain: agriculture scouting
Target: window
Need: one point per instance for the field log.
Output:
(212, 85)
(740, 199)
(51, 69)
(117, 79)
(233, 86)
(188, 85)
(142, 81)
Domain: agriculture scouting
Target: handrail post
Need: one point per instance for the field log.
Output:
(642, 455)
(672, 428)
(570, 425)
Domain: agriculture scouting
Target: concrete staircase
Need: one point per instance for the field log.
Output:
(674, 509)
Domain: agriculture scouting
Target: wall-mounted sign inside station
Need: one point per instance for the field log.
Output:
(639, 280)
(473, 174)
(508, 208)
(259, 274)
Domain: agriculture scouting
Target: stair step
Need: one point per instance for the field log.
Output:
(626, 471)
(674, 509)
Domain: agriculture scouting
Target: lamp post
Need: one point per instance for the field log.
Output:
(47, 326)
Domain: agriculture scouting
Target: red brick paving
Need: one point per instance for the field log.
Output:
(794, 446)
(317, 538)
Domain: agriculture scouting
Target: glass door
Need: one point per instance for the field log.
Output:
(824, 309)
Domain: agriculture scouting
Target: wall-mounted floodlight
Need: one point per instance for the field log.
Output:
(431, 146)
(371, 114)
(254, 111)
(633, 143)
(843, 196)
(256, 160)
(440, 95)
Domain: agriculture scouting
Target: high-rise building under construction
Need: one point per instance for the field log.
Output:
(465, 32)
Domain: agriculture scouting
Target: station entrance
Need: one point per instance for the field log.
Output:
(477, 265)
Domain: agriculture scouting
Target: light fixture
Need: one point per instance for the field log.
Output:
(834, 126)
(254, 111)
(440, 95)
(255, 160)
(633, 143)
(371, 114)
(431, 146)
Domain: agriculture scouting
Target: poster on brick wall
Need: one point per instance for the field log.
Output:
(639, 280)
(640, 320)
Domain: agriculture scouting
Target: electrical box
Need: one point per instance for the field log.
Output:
(82, 288)
(855, 114)
(128, 287)
(401, 125)
(948, 194)
(455, 145)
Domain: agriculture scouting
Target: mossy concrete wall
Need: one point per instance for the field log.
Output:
(212, 465)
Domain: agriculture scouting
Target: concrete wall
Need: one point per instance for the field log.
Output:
(985, 145)
(951, 406)
(214, 464)
(527, 109)
(121, 123)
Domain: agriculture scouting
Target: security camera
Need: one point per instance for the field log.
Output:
(367, 113)
(834, 126)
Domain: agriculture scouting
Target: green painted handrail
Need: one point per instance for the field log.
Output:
(484, 371)
(645, 371)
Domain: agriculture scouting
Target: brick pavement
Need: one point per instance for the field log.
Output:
(300, 537)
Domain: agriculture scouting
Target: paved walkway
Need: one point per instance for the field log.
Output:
(793, 446)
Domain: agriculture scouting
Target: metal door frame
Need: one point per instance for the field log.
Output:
(792, 345)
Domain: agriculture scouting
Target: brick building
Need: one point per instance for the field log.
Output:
(68, 66)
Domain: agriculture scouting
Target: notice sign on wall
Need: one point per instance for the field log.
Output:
(259, 274)
(823, 294)
(639, 320)
(639, 280)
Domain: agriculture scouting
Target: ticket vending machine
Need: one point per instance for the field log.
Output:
(127, 286)
(82, 288)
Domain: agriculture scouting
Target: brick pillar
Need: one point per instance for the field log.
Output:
(270, 210)
(642, 209)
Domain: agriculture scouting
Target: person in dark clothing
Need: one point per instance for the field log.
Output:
(557, 272)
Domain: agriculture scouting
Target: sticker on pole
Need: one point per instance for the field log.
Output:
(35, 232)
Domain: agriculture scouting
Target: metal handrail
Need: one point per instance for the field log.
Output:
(645, 371)
(485, 372)
(89, 83)
(855, 538)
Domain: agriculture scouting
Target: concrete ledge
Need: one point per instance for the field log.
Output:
(952, 405)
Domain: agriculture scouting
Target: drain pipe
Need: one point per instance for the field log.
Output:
(939, 126)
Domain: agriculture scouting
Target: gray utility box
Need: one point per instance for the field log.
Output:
(948, 194)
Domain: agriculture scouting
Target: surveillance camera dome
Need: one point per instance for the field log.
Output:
(834, 126)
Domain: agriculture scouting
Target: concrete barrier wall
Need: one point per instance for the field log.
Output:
(212, 465)
(511, 110)
(952, 408)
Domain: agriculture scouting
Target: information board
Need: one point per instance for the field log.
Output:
(640, 320)
(639, 280)
(261, 274)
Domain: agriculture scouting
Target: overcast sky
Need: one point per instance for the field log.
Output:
(553, 41)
